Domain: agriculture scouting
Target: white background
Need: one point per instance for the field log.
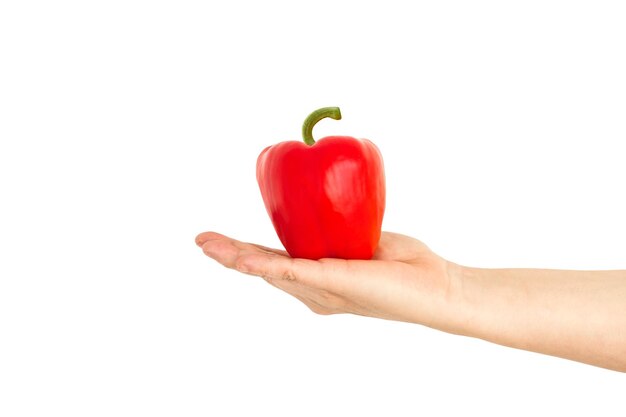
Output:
(127, 127)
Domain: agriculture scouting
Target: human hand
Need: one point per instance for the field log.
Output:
(404, 281)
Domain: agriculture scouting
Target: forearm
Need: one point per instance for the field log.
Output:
(579, 315)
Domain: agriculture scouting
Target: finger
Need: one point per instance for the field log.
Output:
(227, 250)
(323, 274)
(271, 250)
(266, 265)
(223, 250)
(246, 257)
(202, 238)
(397, 247)
(272, 264)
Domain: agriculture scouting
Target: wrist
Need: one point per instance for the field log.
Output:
(459, 300)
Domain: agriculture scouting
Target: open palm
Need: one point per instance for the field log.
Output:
(404, 281)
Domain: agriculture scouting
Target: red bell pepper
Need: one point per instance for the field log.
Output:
(326, 199)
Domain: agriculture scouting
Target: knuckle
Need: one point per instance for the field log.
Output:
(288, 275)
(240, 265)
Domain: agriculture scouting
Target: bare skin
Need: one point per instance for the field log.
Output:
(578, 315)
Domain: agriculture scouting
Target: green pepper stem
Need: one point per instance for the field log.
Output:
(316, 116)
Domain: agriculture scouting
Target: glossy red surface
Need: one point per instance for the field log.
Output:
(326, 200)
